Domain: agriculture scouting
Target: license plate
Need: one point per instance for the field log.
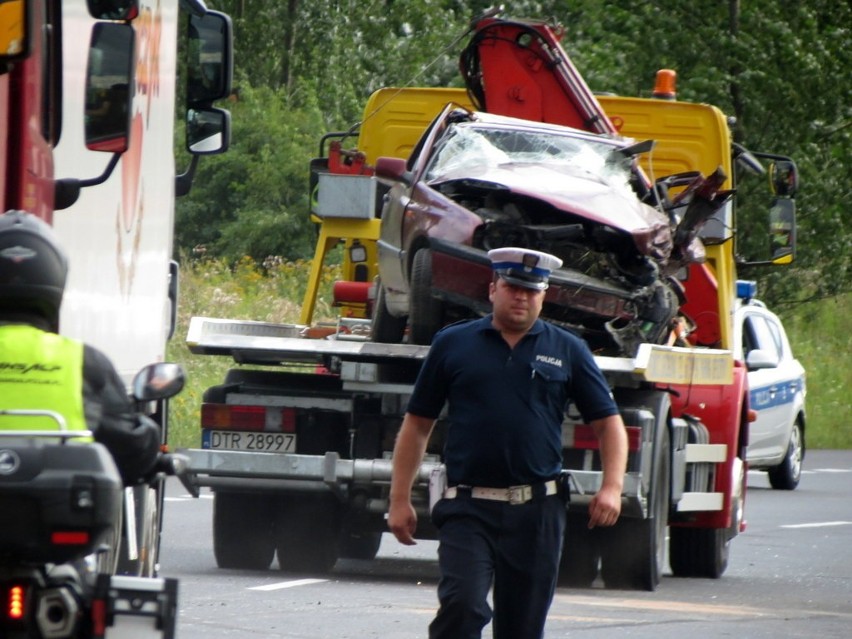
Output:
(248, 441)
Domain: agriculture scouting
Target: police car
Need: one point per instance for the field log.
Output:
(776, 382)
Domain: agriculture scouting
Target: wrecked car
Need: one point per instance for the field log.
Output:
(477, 181)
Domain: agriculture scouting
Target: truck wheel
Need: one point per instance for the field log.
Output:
(363, 546)
(578, 566)
(699, 552)
(385, 328)
(704, 552)
(307, 533)
(425, 312)
(634, 550)
(242, 531)
(786, 475)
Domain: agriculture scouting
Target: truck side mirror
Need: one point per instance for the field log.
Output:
(209, 73)
(113, 9)
(14, 36)
(784, 178)
(109, 87)
(782, 230)
(109, 96)
(210, 56)
(208, 131)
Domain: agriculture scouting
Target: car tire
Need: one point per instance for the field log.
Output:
(786, 475)
(385, 328)
(425, 312)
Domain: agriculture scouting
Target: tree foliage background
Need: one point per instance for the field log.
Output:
(303, 69)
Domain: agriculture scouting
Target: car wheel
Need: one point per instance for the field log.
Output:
(385, 328)
(786, 475)
(426, 312)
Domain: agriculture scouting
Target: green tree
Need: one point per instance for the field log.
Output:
(779, 69)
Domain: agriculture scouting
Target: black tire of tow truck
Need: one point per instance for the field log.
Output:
(425, 311)
(307, 532)
(385, 328)
(242, 531)
(363, 546)
(578, 566)
(698, 552)
(633, 551)
(704, 552)
(786, 475)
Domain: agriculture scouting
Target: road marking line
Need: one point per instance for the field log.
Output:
(831, 470)
(663, 606)
(289, 584)
(823, 524)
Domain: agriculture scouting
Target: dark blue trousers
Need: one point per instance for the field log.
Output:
(515, 549)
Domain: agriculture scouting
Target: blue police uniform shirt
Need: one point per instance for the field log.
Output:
(506, 406)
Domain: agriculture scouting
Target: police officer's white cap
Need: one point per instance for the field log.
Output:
(523, 267)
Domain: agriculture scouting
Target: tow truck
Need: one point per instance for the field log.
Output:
(296, 441)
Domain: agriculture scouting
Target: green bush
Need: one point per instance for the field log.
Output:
(271, 292)
(820, 334)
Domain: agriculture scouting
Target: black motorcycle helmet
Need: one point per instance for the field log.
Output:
(33, 268)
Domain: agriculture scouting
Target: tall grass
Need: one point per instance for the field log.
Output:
(820, 334)
(271, 292)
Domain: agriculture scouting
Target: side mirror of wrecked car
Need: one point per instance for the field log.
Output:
(392, 169)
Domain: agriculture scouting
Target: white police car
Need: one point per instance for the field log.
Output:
(776, 382)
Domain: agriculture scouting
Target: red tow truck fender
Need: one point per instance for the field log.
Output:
(723, 408)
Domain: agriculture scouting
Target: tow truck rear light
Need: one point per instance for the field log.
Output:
(248, 418)
(16, 602)
(585, 438)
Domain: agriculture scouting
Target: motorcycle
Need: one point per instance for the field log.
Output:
(68, 525)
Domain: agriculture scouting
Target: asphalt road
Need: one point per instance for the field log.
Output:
(790, 575)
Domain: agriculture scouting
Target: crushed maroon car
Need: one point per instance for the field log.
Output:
(477, 181)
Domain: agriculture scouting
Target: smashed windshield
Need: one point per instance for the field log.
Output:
(471, 149)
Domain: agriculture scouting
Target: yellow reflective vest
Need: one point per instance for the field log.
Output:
(40, 371)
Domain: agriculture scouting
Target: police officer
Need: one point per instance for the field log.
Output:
(41, 370)
(506, 379)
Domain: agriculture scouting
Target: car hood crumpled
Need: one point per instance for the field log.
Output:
(570, 190)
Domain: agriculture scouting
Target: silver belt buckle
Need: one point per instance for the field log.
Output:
(519, 494)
